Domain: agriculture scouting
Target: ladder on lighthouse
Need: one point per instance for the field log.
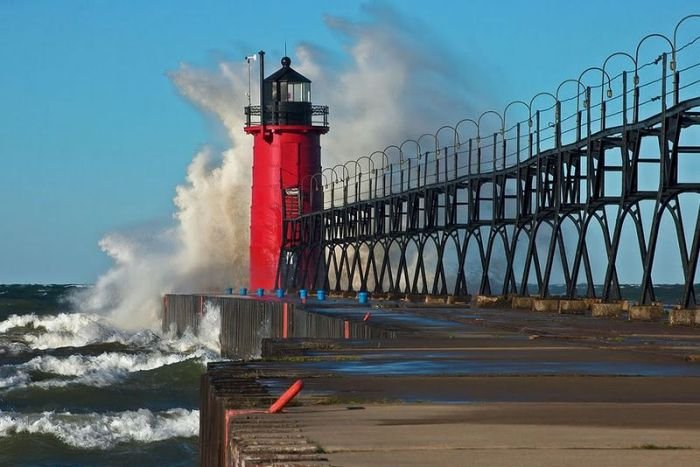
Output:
(291, 206)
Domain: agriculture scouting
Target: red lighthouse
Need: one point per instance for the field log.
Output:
(286, 155)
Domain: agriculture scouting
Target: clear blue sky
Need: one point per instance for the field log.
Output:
(94, 137)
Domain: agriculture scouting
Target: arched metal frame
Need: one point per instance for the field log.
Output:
(624, 81)
(636, 69)
(533, 100)
(314, 189)
(505, 112)
(469, 142)
(380, 243)
(517, 132)
(674, 62)
(356, 177)
(578, 92)
(604, 75)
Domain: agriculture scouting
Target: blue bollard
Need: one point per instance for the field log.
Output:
(321, 294)
(362, 297)
(229, 291)
(260, 292)
(303, 294)
(279, 293)
(243, 291)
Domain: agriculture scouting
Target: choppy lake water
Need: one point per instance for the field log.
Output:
(75, 390)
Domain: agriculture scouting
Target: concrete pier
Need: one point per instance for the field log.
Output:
(247, 321)
(522, 303)
(606, 310)
(646, 312)
(545, 305)
(573, 307)
(491, 301)
(684, 317)
(377, 378)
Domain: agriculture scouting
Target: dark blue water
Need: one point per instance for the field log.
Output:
(75, 390)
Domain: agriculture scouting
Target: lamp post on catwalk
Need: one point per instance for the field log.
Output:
(286, 154)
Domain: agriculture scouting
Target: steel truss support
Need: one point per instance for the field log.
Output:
(443, 238)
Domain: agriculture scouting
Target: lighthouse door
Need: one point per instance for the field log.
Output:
(292, 207)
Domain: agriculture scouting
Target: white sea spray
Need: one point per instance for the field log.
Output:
(391, 70)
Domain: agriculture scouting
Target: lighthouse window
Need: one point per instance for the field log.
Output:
(296, 92)
(283, 92)
(293, 89)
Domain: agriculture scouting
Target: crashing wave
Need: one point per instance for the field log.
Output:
(104, 369)
(152, 351)
(104, 430)
(81, 329)
(70, 330)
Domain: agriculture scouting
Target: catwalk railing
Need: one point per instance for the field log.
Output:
(513, 208)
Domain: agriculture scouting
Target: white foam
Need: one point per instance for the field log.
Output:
(103, 369)
(17, 321)
(207, 336)
(12, 348)
(72, 330)
(78, 329)
(103, 431)
(11, 377)
(98, 370)
(61, 330)
(81, 329)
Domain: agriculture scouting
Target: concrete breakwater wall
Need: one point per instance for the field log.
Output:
(181, 312)
(246, 321)
(236, 428)
(225, 385)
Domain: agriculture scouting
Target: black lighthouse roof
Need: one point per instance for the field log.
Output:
(287, 74)
(285, 99)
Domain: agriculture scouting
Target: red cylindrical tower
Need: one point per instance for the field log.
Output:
(286, 156)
